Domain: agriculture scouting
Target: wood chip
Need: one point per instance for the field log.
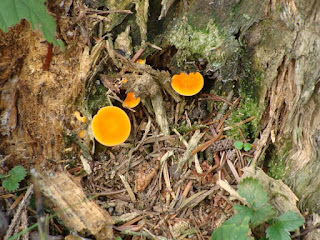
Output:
(233, 170)
(128, 188)
(77, 212)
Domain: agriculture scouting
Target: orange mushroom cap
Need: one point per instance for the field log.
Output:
(187, 84)
(131, 101)
(111, 126)
(141, 61)
(80, 118)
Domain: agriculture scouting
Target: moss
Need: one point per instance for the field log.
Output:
(183, 128)
(69, 138)
(97, 98)
(248, 108)
(277, 165)
(193, 43)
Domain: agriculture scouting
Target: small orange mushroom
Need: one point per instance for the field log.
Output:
(81, 133)
(111, 126)
(141, 61)
(80, 118)
(131, 101)
(187, 84)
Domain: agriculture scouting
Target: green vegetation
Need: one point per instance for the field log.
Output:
(11, 180)
(183, 128)
(240, 145)
(11, 12)
(256, 213)
(97, 98)
(193, 43)
(248, 108)
(276, 165)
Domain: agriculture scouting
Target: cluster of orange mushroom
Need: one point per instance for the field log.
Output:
(111, 125)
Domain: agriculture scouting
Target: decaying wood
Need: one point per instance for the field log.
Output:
(280, 195)
(72, 206)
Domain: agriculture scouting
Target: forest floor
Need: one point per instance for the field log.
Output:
(175, 176)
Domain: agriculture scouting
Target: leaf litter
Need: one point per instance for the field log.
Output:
(164, 182)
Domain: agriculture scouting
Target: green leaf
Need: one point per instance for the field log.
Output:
(12, 11)
(238, 145)
(290, 221)
(275, 232)
(233, 231)
(247, 147)
(257, 217)
(262, 214)
(284, 224)
(10, 184)
(17, 173)
(253, 192)
(241, 213)
(2, 176)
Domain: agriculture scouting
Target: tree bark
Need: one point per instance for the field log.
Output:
(279, 43)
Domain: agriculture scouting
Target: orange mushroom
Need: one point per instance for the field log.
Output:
(141, 61)
(80, 118)
(187, 84)
(81, 133)
(111, 126)
(131, 101)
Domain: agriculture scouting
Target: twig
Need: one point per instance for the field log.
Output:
(233, 170)
(167, 179)
(128, 188)
(239, 123)
(108, 11)
(191, 145)
(22, 204)
(48, 57)
(154, 46)
(137, 55)
(187, 189)
(215, 98)
(24, 224)
(207, 144)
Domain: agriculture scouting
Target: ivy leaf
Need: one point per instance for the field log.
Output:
(233, 231)
(238, 145)
(12, 11)
(247, 147)
(253, 192)
(18, 173)
(10, 184)
(284, 224)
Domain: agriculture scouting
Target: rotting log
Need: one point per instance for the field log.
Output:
(270, 49)
(77, 212)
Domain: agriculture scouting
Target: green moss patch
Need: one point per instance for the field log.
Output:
(248, 108)
(193, 43)
(97, 98)
(276, 166)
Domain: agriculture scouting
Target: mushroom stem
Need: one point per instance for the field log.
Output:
(160, 113)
